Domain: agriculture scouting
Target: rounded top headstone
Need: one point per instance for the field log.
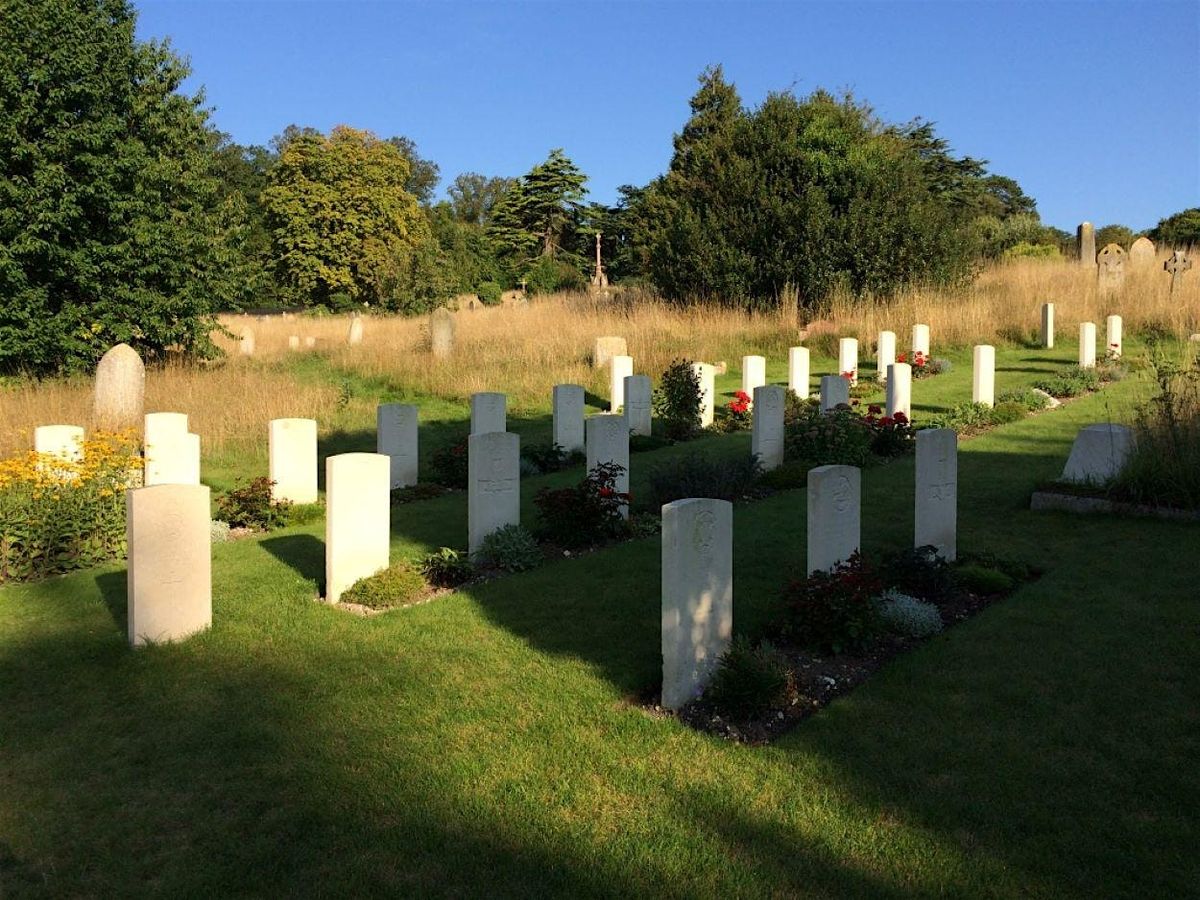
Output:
(119, 389)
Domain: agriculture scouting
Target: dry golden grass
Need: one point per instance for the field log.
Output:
(525, 351)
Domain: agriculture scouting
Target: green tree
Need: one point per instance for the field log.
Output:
(423, 174)
(473, 196)
(1179, 230)
(343, 226)
(1114, 234)
(536, 216)
(112, 226)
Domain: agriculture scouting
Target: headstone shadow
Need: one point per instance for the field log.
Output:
(304, 553)
(113, 588)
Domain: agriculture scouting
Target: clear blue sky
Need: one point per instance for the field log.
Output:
(1093, 107)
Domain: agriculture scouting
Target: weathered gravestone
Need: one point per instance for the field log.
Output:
(835, 391)
(606, 348)
(608, 442)
(310, 342)
(568, 403)
(754, 374)
(936, 517)
(169, 575)
(441, 332)
(697, 594)
(396, 437)
(766, 438)
(246, 344)
(848, 359)
(292, 459)
(1141, 253)
(898, 395)
(1110, 268)
(1087, 345)
(708, 393)
(983, 382)
(488, 412)
(355, 335)
(920, 340)
(293, 342)
(639, 394)
(120, 389)
(1085, 243)
(357, 519)
(1047, 337)
(493, 485)
(1114, 329)
(1098, 454)
(621, 367)
(885, 354)
(1177, 263)
(834, 500)
(63, 441)
(798, 369)
(171, 453)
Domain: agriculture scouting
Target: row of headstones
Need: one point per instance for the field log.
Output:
(697, 554)
(1114, 333)
(247, 344)
(1110, 261)
(171, 453)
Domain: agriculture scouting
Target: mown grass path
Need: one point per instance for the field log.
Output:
(485, 743)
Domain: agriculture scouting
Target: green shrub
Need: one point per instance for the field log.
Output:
(838, 437)
(909, 616)
(397, 585)
(1013, 568)
(423, 491)
(965, 417)
(449, 464)
(789, 476)
(834, 611)
(921, 571)
(643, 443)
(736, 415)
(981, 580)
(723, 478)
(447, 568)
(550, 457)
(1072, 383)
(890, 435)
(591, 512)
(1030, 400)
(1008, 411)
(1026, 250)
(510, 549)
(549, 274)
(251, 506)
(489, 293)
(749, 680)
(218, 531)
(678, 400)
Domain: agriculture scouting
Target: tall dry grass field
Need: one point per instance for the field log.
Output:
(525, 350)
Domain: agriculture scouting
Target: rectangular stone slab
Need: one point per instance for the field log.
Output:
(357, 519)
(169, 575)
(639, 394)
(397, 437)
(489, 412)
(493, 484)
(766, 437)
(292, 459)
(936, 512)
(568, 404)
(834, 509)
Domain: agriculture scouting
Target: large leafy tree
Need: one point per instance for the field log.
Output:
(343, 225)
(474, 196)
(112, 224)
(537, 214)
(1180, 230)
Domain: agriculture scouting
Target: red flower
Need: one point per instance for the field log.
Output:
(854, 402)
(849, 376)
(886, 422)
(901, 418)
(902, 358)
(606, 492)
(874, 409)
(742, 395)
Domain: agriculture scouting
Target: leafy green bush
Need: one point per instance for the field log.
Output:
(550, 457)
(838, 437)
(425, 490)
(397, 585)
(218, 531)
(921, 571)
(834, 611)
(489, 293)
(1026, 250)
(1031, 400)
(449, 464)
(909, 616)
(749, 680)
(1009, 411)
(723, 478)
(447, 568)
(591, 512)
(1072, 383)
(890, 435)
(251, 506)
(965, 417)
(981, 580)
(511, 549)
(549, 274)
(678, 399)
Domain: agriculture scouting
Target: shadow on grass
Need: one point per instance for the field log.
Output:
(114, 587)
(304, 553)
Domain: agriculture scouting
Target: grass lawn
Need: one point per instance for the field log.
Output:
(486, 743)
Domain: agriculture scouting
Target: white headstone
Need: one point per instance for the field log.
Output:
(493, 485)
(292, 459)
(899, 390)
(639, 394)
(848, 359)
(488, 412)
(885, 354)
(920, 340)
(169, 574)
(397, 438)
(161, 426)
(1087, 345)
(766, 438)
(697, 594)
(937, 491)
(63, 441)
(119, 390)
(246, 344)
(293, 342)
(357, 519)
(310, 342)
(1048, 326)
(835, 391)
(608, 442)
(621, 366)
(983, 386)
(1098, 454)
(355, 335)
(1141, 253)
(798, 369)
(568, 404)
(441, 332)
(834, 500)
(1114, 329)
(708, 393)
(754, 373)
(172, 454)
